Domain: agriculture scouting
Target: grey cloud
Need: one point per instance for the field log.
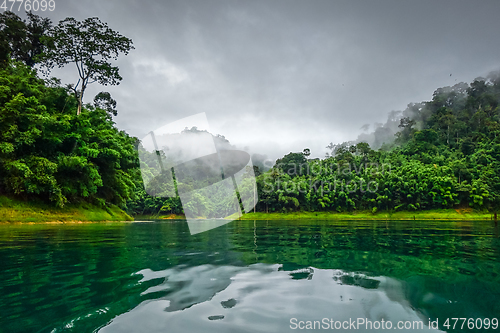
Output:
(285, 75)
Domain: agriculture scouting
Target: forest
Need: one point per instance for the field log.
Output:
(441, 153)
(445, 155)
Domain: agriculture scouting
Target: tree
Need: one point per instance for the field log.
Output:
(12, 35)
(406, 123)
(90, 44)
(38, 158)
(21, 40)
(293, 164)
(363, 148)
(37, 28)
(104, 101)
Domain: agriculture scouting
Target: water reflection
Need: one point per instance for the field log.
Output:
(263, 298)
(245, 276)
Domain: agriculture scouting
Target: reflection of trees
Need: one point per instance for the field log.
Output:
(442, 271)
(52, 274)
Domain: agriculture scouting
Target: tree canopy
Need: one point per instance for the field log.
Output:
(89, 44)
(20, 39)
(48, 152)
(441, 153)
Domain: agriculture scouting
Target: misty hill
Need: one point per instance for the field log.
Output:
(454, 112)
(444, 153)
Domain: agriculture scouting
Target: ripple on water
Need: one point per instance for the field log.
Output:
(261, 298)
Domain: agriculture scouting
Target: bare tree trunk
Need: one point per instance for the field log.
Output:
(79, 106)
(80, 98)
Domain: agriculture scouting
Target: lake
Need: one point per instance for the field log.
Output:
(250, 276)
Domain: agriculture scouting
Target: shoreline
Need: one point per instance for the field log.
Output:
(466, 214)
(13, 211)
(430, 215)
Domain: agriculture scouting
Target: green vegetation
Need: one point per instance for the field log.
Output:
(89, 44)
(422, 215)
(48, 152)
(15, 210)
(441, 214)
(21, 40)
(53, 148)
(52, 154)
(446, 155)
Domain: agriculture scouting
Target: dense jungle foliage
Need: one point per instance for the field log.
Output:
(446, 153)
(51, 147)
(48, 152)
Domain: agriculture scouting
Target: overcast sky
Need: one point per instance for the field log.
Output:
(280, 76)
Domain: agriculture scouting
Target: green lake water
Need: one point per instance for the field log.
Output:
(246, 276)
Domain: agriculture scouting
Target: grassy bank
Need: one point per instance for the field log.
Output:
(443, 214)
(160, 217)
(14, 210)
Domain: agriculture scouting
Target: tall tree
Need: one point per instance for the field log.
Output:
(21, 40)
(90, 45)
(406, 123)
(104, 101)
(12, 35)
(36, 28)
